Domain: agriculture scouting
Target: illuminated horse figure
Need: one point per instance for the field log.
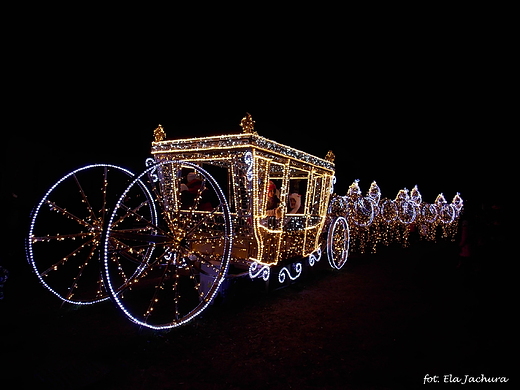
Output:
(164, 243)
(374, 220)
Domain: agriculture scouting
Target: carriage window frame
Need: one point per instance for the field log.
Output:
(298, 182)
(276, 172)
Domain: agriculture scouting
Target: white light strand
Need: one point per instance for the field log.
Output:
(285, 272)
(315, 257)
(257, 270)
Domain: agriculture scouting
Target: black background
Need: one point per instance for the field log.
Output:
(404, 97)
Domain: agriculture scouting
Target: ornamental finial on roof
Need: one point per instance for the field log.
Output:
(159, 134)
(248, 124)
(330, 156)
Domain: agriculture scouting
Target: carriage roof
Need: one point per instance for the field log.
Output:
(226, 144)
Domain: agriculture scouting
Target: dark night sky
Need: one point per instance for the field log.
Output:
(401, 110)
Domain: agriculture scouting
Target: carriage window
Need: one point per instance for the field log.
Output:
(316, 196)
(296, 197)
(222, 176)
(297, 190)
(196, 192)
(273, 196)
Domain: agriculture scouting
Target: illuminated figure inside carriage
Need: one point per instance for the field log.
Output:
(206, 209)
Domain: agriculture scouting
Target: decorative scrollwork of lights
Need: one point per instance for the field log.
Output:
(315, 257)
(257, 270)
(285, 272)
(248, 159)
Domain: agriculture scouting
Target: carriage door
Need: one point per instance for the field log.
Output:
(270, 208)
(316, 209)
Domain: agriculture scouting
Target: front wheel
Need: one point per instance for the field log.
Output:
(338, 242)
(189, 248)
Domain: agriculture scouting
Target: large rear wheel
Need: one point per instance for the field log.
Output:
(66, 231)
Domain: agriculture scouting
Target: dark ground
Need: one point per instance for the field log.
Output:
(383, 322)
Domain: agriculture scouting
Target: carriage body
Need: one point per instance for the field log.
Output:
(245, 165)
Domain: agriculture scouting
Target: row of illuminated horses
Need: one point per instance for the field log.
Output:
(407, 207)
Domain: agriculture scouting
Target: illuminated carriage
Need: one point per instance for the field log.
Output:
(162, 244)
(202, 211)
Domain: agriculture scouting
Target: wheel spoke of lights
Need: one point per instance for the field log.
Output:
(86, 223)
(76, 251)
(191, 242)
(84, 197)
(66, 231)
